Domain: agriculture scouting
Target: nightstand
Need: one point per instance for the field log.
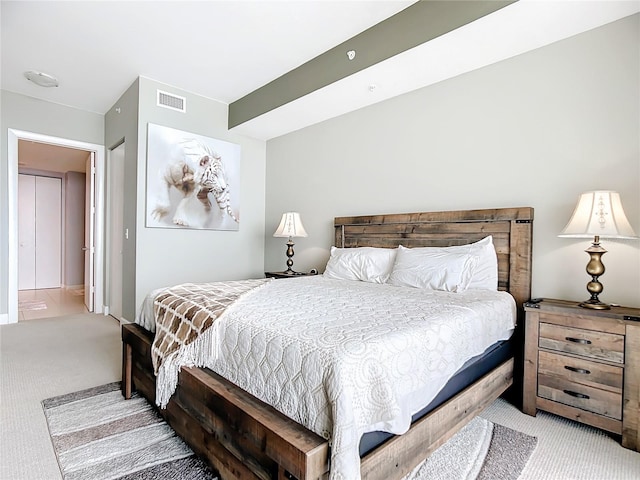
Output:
(584, 365)
(288, 275)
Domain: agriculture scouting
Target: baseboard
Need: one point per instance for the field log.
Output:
(4, 318)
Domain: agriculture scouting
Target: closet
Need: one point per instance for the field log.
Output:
(39, 232)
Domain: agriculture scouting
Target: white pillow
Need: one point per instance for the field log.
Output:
(485, 275)
(432, 268)
(368, 264)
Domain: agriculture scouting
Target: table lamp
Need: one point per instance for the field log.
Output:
(290, 226)
(598, 214)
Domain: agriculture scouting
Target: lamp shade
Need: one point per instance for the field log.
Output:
(290, 226)
(599, 213)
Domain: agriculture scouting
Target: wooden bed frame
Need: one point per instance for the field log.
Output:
(242, 437)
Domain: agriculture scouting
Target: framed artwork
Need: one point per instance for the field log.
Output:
(192, 181)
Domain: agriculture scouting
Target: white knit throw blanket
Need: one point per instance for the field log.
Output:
(184, 316)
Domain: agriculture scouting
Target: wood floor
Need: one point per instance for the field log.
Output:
(49, 302)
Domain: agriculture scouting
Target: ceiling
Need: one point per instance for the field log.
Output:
(224, 50)
(52, 158)
(219, 49)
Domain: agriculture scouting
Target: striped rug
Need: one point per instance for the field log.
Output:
(96, 434)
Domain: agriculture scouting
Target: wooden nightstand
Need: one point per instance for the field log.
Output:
(288, 275)
(584, 365)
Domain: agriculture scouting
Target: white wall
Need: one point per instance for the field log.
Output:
(535, 130)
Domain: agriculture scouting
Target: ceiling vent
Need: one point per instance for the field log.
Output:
(174, 102)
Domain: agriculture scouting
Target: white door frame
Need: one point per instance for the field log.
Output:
(12, 147)
(89, 232)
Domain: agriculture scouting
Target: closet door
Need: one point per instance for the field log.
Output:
(26, 232)
(48, 232)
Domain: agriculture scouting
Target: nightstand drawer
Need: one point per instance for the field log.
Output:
(579, 370)
(580, 396)
(578, 341)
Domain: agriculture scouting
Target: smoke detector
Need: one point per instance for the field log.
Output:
(41, 79)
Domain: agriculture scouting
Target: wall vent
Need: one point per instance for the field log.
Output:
(174, 102)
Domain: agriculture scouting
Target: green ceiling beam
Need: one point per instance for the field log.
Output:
(413, 26)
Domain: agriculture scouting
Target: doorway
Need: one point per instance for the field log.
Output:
(55, 295)
(115, 222)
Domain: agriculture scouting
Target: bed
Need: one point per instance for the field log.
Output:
(243, 437)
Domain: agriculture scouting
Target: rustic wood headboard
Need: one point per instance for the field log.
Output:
(511, 229)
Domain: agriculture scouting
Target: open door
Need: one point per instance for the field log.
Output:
(89, 226)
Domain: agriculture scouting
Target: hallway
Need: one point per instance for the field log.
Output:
(49, 302)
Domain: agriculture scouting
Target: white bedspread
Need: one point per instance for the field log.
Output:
(344, 358)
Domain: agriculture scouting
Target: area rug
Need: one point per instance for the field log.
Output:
(97, 434)
(481, 450)
(32, 305)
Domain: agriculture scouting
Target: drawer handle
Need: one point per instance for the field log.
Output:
(576, 394)
(577, 370)
(578, 340)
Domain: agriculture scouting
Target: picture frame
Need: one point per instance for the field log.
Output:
(192, 181)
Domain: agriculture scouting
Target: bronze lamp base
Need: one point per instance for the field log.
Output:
(595, 268)
(289, 270)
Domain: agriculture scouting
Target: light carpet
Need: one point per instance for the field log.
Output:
(97, 434)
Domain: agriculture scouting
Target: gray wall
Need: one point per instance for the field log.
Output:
(121, 125)
(535, 130)
(156, 257)
(74, 193)
(28, 114)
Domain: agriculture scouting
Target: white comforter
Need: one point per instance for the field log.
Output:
(344, 358)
